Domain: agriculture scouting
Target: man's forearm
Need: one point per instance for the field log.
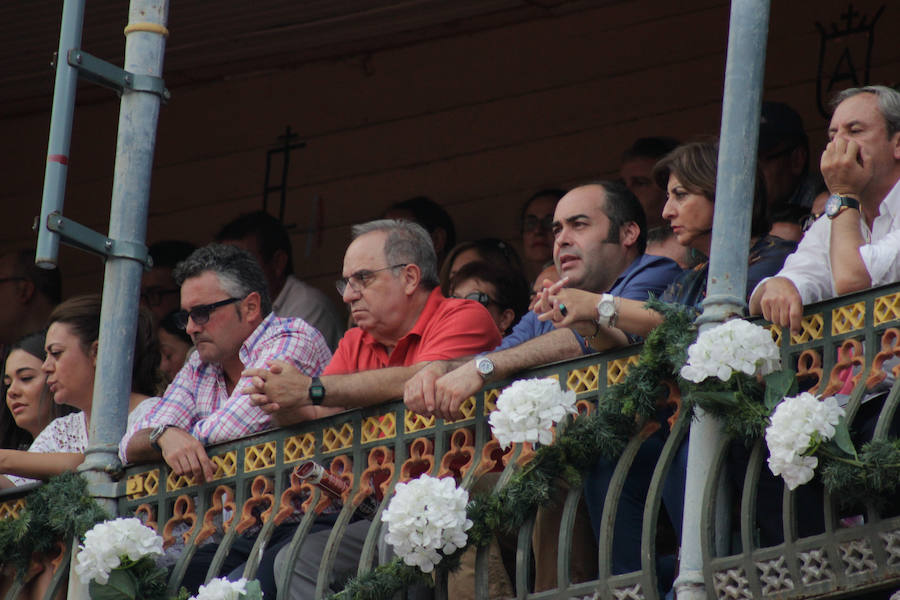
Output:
(365, 388)
(560, 344)
(847, 267)
(139, 449)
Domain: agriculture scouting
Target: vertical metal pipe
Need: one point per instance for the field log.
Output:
(742, 100)
(138, 115)
(60, 131)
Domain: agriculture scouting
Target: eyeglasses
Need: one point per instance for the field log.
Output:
(357, 281)
(532, 223)
(153, 296)
(200, 314)
(479, 297)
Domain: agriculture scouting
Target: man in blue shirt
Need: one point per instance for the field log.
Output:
(599, 240)
(600, 236)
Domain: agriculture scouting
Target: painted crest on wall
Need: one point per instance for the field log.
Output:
(845, 54)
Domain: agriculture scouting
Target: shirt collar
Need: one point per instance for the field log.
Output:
(254, 338)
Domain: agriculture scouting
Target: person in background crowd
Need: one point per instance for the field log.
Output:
(502, 292)
(27, 295)
(636, 172)
(174, 346)
(266, 238)
(489, 250)
(430, 215)
(159, 292)
(29, 405)
(537, 238)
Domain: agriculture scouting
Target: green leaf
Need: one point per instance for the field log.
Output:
(253, 590)
(842, 439)
(121, 586)
(705, 399)
(778, 385)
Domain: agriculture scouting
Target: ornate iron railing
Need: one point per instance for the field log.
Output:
(844, 345)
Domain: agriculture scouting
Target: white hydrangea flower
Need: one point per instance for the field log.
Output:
(424, 516)
(222, 589)
(527, 410)
(793, 424)
(107, 543)
(735, 345)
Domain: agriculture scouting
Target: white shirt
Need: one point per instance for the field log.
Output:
(303, 301)
(65, 434)
(809, 268)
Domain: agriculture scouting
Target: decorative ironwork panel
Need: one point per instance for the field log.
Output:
(892, 547)
(858, 557)
(617, 369)
(413, 422)
(633, 592)
(848, 318)
(141, 485)
(812, 327)
(337, 439)
(814, 567)
(299, 447)
(260, 456)
(226, 464)
(490, 400)
(733, 584)
(582, 380)
(12, 508)
(775, 330)
(379, 428)
(775, 576)
(177, 482)
(887, 308)
(467, 408)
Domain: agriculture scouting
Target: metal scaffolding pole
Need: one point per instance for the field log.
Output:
(742, 100)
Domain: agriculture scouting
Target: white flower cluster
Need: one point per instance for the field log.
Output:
(107, 543)
(735, 345)
(794, 424)
(424, 516)
(222, 589)
(527, 410)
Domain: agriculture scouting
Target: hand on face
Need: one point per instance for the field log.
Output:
(846, 167)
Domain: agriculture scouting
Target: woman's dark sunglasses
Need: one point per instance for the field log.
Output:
(200, 314)
(479, 297)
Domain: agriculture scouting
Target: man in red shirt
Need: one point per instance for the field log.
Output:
(390, 283)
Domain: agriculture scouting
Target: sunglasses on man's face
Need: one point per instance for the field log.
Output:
(532, 224)
(200, 314)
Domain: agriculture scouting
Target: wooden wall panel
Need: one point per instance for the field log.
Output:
(477, 121)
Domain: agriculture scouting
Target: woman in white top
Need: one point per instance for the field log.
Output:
(71, 345)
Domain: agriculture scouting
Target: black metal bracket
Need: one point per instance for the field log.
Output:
(77, 235)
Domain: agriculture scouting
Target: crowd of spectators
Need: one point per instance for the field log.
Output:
(230, 342)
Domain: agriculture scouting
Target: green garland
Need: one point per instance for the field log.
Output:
(59, 510)
(621, 412)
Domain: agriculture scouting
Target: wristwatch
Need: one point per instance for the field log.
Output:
(157, 433)
(836, 203)
(607, 311)
(484, 366)
(316, 391)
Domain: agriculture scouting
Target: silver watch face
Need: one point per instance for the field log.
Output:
(833, 205)
(484, 366)
(606, 308)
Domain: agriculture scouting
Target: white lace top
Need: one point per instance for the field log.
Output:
(65, 434)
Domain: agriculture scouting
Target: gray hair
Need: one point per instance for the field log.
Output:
(888, 103)
(406, 242)
(238, 271)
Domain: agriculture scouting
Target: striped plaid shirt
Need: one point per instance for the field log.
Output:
(198, 400)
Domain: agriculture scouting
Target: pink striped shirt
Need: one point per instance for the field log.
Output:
(198, 400)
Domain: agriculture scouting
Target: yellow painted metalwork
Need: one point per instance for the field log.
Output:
(12, 508)
(142, 485)
(177, 482)
(259, 456)
(379, 428)
(490, 400)
(848, 318)
(337, 439)
(812, 327)
(299, 447)
(775, 330)
(413, 422)
(887, 308)
(583, 380)
(617, 369)
(467, 408)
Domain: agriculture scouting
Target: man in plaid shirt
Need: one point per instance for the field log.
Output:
(228, 314)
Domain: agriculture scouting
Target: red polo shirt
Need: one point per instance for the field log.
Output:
(447, 328)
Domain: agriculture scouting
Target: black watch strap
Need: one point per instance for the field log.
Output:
(157, 433)
(316, 391)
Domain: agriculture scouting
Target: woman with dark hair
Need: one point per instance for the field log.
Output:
(502, 292)
(537, 230)
(29, 407)
(71, 344)
(489, 250)
(174, 346)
